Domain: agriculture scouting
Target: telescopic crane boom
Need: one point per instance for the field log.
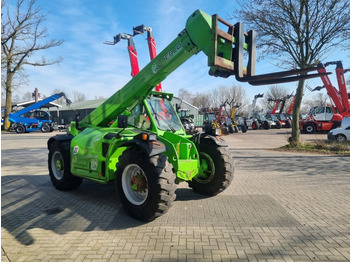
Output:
(225, 58)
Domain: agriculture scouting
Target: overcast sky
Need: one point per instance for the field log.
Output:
(95, 69)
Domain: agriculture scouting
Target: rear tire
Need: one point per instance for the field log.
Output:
(288, 124)
(45, 128)
(146, 185)
(278, 125)
(216, 169)
(267, 125)
(230, 129)
(59, 167)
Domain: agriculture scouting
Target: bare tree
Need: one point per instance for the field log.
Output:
(319, 99)
(185, 95)
(78, 97)
(201, 100)
(297, 33)
(22, 35)
(27, 96)
(274, 92)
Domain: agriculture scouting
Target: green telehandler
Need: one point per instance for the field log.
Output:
(136, 138)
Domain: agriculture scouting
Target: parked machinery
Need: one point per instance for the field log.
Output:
(236, 123)
(325, 118)
(256, 119)
(31, 118)
(146, 149)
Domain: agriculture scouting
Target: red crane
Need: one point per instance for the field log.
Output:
(131, 50)
(141, 29)
(326, 118)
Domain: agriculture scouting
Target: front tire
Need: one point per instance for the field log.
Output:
(59, 167)
(340, 138)
(216, 169)
(20, 129)
(309, 129)
(146, 185)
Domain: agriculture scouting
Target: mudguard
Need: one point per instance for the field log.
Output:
(201, 135)
(66, 137)
(150, 148)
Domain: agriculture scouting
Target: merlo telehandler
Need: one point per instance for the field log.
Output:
(132, 139)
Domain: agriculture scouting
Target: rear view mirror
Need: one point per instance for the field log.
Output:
(122, 121)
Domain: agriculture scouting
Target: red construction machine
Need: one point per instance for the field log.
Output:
(325, 118)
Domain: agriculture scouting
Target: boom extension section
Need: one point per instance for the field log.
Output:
(131, 50)
(141, 29)
(225, 58)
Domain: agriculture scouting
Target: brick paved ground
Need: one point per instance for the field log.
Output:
(280, 207)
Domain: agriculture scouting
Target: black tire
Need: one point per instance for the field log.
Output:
(267, 125)
(154, 181)
(219, 172)
(278, 124)
(340, 138)
(59, 167)
(45, 128)
(255, 125)
(309, 129)
(230, 129)
(236, 129)
(20, 129)
(288, 124)
(244, 128)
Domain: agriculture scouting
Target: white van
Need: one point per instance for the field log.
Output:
(342, 133)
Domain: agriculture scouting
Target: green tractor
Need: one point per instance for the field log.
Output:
(136, 138)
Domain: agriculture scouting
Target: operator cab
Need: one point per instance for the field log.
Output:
(156, 112)
(322, 113)
(38, 114)
(164, 114)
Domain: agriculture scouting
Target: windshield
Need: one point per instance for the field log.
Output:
(274, 118)
(261, 117)
(164, 114)
(282, 117)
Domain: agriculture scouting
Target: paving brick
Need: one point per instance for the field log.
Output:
(273, 211)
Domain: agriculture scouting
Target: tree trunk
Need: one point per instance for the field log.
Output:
(8, 105)
(294, 139)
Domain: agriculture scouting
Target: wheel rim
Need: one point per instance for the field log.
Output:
(340, 139)
(207, 169)
(57, 165)
(45, 128)
(309, 129)
(135, 184)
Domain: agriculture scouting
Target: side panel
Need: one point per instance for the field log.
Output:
(86, 154)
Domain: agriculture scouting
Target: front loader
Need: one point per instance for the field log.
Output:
(130, 138)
